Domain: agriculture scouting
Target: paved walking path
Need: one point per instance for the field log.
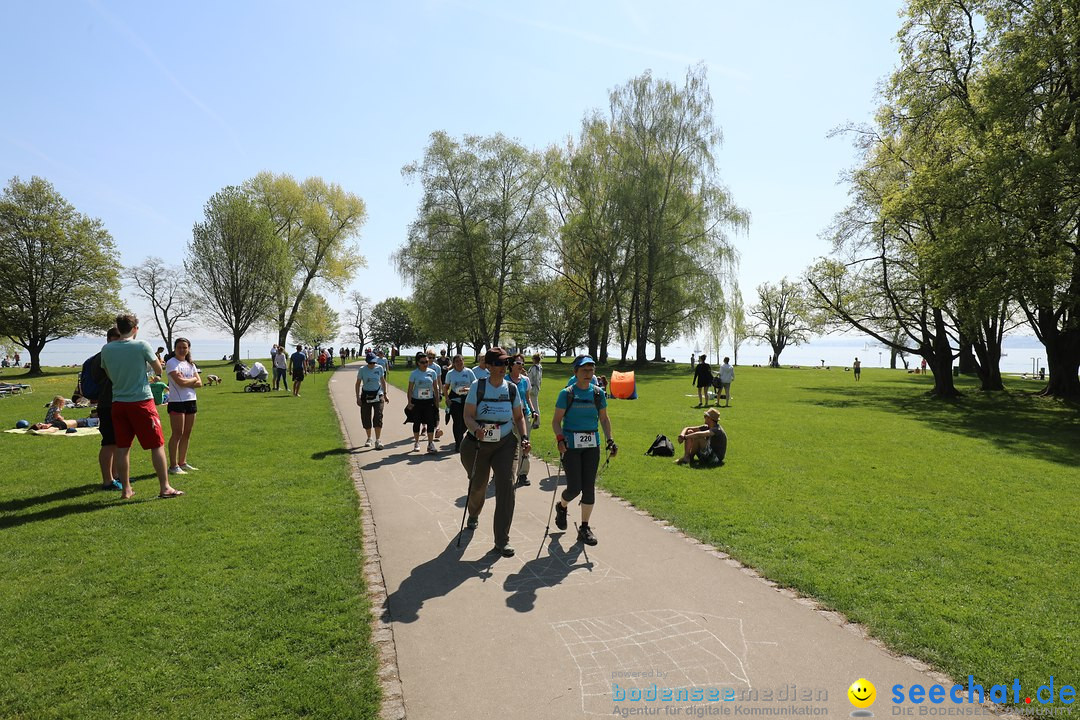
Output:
(560, 636)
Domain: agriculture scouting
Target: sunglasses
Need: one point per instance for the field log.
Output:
(498, 363)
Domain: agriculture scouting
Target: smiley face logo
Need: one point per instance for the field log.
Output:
(862, 693)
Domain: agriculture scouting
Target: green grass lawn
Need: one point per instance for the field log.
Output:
(948, 528)
(245, 598)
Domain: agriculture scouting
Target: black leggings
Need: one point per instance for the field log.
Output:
(457, 412)
(425, 413)
(580, 467)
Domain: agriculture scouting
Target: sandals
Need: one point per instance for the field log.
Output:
(171, 494)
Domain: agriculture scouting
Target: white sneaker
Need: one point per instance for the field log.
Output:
(378, 445)
(431, 448)
(177, 470)
(367, 443)
(416, 447)
(187, 467)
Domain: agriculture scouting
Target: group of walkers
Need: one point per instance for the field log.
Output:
(492, 409)
(126, 409)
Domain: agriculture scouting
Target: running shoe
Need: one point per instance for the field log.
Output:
(560, 516)
(188, 468)
(177, 470)
(585, 535)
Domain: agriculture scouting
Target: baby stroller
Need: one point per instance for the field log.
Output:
(257, 374)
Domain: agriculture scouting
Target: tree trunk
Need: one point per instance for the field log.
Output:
(989, 364)
(35, 347)
(236, 348)
(967, 361)
(657, 357)
(1062, 362)
(282, 337)
(605, 336)
(939, 359)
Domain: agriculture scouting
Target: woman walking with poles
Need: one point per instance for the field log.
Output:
(495, 421)
(580, 411)
(458, 381)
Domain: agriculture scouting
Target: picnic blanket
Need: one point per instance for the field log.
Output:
(79, 432)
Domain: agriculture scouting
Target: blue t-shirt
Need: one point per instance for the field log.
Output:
(481, 373)
(583, 415)
(299, 361)
(383, 363)
(458, 382)
(371, 377)
(523, 392)
(423, 382)
(495, 406)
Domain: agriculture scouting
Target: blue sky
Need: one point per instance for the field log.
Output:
(138, 112)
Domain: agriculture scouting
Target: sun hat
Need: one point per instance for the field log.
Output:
(583, 360)
(713, 414)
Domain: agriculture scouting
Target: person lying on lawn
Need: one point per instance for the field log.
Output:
(708, 442)
(54, 420)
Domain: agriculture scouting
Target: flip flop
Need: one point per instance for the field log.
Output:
(174, 493)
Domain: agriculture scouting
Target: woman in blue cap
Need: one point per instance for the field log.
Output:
(370, 396)
(580, 412)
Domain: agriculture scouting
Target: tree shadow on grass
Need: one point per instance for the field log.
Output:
(1019, 422)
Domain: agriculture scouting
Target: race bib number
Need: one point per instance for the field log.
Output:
(425, 393)
(490, 432)
(584, 440)
(463, 390)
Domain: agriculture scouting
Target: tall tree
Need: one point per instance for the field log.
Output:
(392, 324)
(317, 222)
(58, 269)
(782, 315)
(316, 323)
(477, 234)
(359, 315)
(552, 318)
(169, 298)
(672, 208)
(739, 329)
(234, 259)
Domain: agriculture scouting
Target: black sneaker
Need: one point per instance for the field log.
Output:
(585, 535)
(560, 516)
(523, 480)
(505, 550)
(472, 523)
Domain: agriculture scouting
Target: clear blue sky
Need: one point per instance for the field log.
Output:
(137, 112)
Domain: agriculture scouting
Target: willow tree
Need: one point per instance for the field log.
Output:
(672, 211)
(317, 223)
(476, 240)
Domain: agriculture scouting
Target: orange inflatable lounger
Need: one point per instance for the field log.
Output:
(623, 386)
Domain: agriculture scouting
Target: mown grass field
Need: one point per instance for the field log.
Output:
(243, 599)
(949, 529)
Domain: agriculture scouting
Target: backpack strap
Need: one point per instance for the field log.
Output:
(481, 388)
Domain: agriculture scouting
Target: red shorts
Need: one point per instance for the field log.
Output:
(137, 420)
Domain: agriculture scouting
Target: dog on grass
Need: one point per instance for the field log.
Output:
(213, 380)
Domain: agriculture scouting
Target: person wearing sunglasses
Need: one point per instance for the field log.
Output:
(495, 420)
(423, 393)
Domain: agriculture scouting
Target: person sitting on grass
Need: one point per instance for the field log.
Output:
(708, 442)
(55, 421)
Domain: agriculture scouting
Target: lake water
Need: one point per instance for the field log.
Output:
(1022, 351)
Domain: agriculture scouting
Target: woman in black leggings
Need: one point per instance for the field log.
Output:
(580, 412)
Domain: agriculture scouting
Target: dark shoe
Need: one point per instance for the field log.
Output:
(560, 516)
(585, 535)
(472, 523)
(505, 550)
(523, 480)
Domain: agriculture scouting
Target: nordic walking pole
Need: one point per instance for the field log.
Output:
(468, 489)
(558, 475)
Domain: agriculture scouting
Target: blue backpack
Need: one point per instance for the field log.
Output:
(88, 386)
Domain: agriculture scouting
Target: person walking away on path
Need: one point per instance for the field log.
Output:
(380, 359)
(423, 395)
(370, 396)
(495, 420)
(727, 376)
(703, 381)
(536, 376)
(857, 367)
(281, 367)
(580, 410)
(458, 381)
(184, 379)
(707, 442)
(519, 378)
(109, 479)
(134, 413)
(299, 361)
